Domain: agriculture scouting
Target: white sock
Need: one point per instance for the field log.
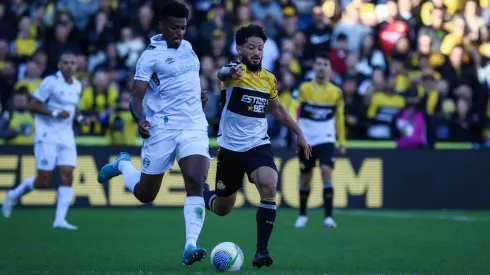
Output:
(194, 213)
(24, 188)
(131, 176)
(65, 194)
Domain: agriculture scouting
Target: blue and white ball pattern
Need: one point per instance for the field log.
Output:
(227, 256)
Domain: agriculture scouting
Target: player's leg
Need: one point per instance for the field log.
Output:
(263, 173)
(326, 155)
(157, 156)
(230, 170)
(193, 158)
(66, 163)
(45, 155)
(64, 198)
(306, 170)
(144, 185)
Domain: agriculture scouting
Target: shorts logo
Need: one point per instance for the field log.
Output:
(146, 162)
(44, 162)
(220, 185)
(302, 165)
(332, 160)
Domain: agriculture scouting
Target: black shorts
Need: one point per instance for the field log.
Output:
(324, 152)
(233, 165)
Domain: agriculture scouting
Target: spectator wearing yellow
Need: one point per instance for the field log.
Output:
(25, 44)
(400, 71)
(434, 28)
(382, 109)
(20, 119)
(424, 43)
(426, 90)
(32, 79)
(98, 99)
(456, 37)
(122, 129)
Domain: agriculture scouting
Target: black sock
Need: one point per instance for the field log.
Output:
(328, 198)
(209, 197)
(266, 216)
(304, 193)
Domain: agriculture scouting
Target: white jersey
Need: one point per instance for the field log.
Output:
(57, 95)
(173, 98)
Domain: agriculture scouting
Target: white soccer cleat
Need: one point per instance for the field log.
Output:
(64, 225)
(301, 221)
(329, 222)
(8, 204)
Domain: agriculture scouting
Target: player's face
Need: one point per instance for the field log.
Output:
(173, 31)
(251, 53)
(68, 64)
(322, 68)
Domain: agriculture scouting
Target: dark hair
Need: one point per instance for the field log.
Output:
(244, 33)
(65, 52)
(342, 37)
(322, 55)
(173, 9)
(22, 90)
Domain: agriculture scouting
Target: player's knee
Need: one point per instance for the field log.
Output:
(306, 178)
(326, 172)
(194, 182)
(42, 180)
(66, 178)
(267, 188)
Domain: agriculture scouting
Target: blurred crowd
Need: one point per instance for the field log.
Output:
(384, 54)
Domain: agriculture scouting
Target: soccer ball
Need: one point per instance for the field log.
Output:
(227, 256)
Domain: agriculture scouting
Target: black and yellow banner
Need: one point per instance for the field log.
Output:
(363, 179)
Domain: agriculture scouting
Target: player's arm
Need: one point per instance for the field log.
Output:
(229, 72)
(340, 123)
(281, 113)
(40, 96)
(144, 71)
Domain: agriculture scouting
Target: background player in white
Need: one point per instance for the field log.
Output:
(166, 103)
(55, 106)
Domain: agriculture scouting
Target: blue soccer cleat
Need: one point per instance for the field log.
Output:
(193, 254)
(110, 170)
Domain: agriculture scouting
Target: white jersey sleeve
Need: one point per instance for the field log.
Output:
(44, 90)
(145, 68)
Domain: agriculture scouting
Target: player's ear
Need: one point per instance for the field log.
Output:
(238, 49)
(160, 24)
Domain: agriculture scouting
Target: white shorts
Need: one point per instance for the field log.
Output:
(51, 155)
(165, 145)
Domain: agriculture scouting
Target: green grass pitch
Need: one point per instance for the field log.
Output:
(150, 241)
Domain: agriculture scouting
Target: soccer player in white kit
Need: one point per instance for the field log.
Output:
(55, 106)
(167, 105)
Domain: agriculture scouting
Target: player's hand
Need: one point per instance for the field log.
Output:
(342, 150)
(301, 144)
(204, 98)
(143, 128)
(63, 114)
(236, 72)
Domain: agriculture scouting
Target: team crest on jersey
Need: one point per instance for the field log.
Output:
(150, 47)
(220, 185)
(169, 60)
(146, 162)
